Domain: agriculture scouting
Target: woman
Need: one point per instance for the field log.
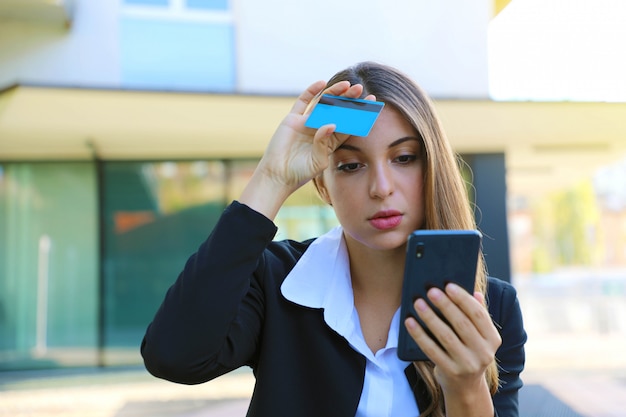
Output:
(318, 320)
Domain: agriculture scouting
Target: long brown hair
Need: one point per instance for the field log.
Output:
(446, 199)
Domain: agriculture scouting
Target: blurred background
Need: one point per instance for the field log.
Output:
(126, 127)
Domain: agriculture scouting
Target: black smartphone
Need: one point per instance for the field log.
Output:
(434, 258)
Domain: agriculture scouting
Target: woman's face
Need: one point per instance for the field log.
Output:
(375, 183)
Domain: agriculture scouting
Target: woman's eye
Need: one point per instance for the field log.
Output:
(353, 166)
(406, 159)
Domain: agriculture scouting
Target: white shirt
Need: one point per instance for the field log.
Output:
(321, 279)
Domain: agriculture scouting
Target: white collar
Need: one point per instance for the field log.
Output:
(321, 279)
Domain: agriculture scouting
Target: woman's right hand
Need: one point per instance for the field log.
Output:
(296, 153)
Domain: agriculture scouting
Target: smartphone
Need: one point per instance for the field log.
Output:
(352, 116)
(434, 258)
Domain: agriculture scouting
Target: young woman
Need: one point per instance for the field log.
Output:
(318, 320)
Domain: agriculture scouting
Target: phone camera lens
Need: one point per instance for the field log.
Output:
(419, 250)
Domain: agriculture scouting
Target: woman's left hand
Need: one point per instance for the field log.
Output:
(469, 342)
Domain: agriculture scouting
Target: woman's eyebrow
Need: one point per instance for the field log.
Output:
(396, 142)
(348, 147)
(402, 140)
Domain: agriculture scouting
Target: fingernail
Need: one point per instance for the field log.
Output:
(410, 323)
(421, 305)
(452, 288)
(435, 293)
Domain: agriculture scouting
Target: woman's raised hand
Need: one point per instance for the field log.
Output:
(296, 153)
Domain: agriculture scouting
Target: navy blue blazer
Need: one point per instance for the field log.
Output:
(226, 310)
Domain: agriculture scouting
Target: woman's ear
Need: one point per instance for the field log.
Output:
(321, 189)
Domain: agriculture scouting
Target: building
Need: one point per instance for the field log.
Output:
(126, 127)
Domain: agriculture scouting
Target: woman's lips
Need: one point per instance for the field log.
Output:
(384, 220)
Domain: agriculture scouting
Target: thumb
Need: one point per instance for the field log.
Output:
(323, 146)
(324, 139)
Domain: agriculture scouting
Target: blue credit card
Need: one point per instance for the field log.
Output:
(352, 116)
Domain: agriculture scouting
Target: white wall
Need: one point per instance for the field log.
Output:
(282, 46)
(286, 45)
(86, 56)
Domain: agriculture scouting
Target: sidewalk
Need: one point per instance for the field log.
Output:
(576, 326)
(131, 392)
(575, 367)
(585, 393)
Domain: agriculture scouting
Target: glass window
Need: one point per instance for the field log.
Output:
(304, 215)
(155, 216)
(208, 4)
(183, 55)
(48, 265)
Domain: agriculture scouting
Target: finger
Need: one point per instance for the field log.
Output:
(307, 97)
(343, 88)
(354, 91)
(323, 141)
(480, 297)
(445, 333)
(428, 345)
(457, 305)
(322, 148)
(464, 349)
(473, 314)
(306, 106)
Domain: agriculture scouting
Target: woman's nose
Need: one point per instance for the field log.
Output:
(382, 184)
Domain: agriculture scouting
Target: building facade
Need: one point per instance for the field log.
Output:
(127, 127)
